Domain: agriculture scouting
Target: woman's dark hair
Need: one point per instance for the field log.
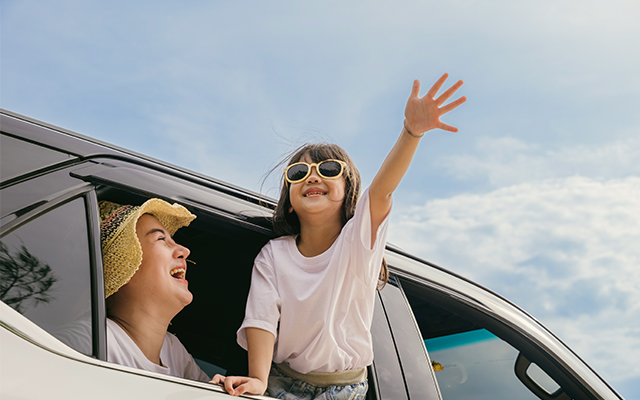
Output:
(287, 223)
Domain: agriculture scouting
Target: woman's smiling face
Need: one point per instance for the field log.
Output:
(162, 273)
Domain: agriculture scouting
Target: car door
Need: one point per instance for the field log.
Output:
(52, 311)
(479, 346)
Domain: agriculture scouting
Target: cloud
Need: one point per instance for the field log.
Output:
(566, 250)
(508, 160)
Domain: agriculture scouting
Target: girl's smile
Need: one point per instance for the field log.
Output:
(316, 195)
(314, 191)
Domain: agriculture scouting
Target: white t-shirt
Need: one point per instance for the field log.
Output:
(176, 360)
(319, 308)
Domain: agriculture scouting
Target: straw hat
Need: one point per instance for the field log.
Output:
(121, 250)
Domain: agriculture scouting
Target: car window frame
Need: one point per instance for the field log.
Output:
(404, 328)
(133, 177)
(385, 350)
(98, 307)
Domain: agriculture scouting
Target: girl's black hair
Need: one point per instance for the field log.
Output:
(287, 223)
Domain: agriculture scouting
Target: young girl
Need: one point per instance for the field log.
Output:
(312, 293)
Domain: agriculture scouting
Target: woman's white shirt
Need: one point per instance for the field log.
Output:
(176, 360)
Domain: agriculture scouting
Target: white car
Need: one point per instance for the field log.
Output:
(436, 335)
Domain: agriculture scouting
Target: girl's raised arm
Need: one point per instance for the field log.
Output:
(421, 114)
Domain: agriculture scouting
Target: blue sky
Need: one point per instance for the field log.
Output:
(537, 196)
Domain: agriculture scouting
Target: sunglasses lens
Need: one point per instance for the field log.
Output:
(330, 169)
(297, 172)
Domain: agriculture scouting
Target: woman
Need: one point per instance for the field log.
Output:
(145, 286)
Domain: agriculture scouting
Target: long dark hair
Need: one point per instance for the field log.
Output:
(287, 223)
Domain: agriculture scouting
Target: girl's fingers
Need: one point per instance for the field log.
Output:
(415, 89)
(228, 386)
(449, 92)
(452, 105)
(446, 127)
(436, 86)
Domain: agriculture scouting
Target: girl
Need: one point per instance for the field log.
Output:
(312, 293)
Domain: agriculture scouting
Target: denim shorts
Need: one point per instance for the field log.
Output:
(282, 386)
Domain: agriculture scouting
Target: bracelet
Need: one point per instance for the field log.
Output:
(409, 132)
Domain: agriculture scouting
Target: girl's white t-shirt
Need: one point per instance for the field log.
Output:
(319, 308)
(176, 360)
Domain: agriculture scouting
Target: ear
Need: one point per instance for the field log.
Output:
(290, 210)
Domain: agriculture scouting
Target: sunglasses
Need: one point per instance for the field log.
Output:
(327, 169)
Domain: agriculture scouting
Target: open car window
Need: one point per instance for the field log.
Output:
(222, 250)
(470, 360)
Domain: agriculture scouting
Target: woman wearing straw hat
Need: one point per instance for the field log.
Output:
(145, 286)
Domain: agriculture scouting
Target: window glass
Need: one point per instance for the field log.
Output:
(476, 365)
(19, 157)
(469, 361)
(45, 273)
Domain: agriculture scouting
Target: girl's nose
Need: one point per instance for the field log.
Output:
(313, 175)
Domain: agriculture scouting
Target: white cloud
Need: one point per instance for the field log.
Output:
(565, 250)
(507, 160)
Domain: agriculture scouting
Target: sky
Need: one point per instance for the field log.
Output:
(537, 197)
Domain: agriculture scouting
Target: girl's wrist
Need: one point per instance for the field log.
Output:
(406, 129)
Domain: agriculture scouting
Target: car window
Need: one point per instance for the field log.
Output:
(416, 366)
(45, 273)
(222, 251)
(20, 157)
(476, 365)
(470, 362)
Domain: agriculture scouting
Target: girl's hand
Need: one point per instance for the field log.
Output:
(237, 385)
(423, 114)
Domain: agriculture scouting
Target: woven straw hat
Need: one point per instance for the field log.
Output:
(121, 250)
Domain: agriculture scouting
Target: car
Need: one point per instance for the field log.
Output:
(436, 334)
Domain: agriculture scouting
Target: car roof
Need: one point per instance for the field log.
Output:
(86, 147)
